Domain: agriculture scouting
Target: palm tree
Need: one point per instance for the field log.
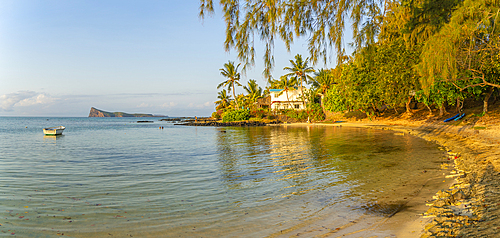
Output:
(242, 100)
(300, 70)
(253, 90)
(286, 83)
(232, 75)
(322, 81)
(224, 100)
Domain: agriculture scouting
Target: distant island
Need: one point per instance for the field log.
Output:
(94, 112)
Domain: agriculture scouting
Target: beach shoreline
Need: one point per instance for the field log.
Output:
(465, 205)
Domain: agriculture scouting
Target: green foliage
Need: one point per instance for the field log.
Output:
(300, 71)
(334, 100)
(217, 114)
(442, 92)
(479, 115)
(231, 73)
(423, 18)
(360, 87)
(315, 112)
(254, 91)
(464, 47)
(236, 115)
(297, 115)
(322, 81)
(393, 71)
(380, 75)
(259, 113)
(312, 97)
(322, 22)
(224, 100)
(439, 52)
(439, 93)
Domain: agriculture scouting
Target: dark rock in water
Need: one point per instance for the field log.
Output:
(235, 123)
(171, 119)
(188, 119)
(144, 121)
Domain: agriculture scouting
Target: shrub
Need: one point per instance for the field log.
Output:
(315, 112)
(216, 115)
(289, 113)
(259, 113)
(236, 115)
(297, 115)
(302, 115)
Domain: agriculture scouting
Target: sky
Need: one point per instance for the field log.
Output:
(60, 58)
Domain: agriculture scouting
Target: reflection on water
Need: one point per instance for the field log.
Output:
(306, 173)
(52, 138)
(104, 178)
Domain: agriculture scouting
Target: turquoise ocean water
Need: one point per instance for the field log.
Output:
(116, 177)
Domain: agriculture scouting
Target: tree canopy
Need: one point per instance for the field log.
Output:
(231, 73)
(439, 53)
(322, 22)
(300, 70)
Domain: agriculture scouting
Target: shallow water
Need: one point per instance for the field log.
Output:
(113, 176)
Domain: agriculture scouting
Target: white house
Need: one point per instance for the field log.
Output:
(280, 101)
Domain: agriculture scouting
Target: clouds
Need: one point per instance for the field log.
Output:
(143, 105)
(168, 105)
(39, 103)
(164, 105)
(24, 99)
(204, 105)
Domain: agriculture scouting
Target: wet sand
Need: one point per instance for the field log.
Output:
(464, 201)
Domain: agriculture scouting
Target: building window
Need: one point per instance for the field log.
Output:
(297, 106)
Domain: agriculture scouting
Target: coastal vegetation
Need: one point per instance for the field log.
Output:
(236, 115)
(300, 71)
(231, 73)
(445, 55)
(246, 106)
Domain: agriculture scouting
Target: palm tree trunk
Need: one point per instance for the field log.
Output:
(322, 104)
(235, 99)
(302, 92)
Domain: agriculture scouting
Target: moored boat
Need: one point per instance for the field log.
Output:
(56, 130)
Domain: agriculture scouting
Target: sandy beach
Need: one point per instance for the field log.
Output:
(464, 201)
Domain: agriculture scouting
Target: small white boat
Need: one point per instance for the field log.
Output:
(54, 131)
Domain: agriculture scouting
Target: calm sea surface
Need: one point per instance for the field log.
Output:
(115, 177)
